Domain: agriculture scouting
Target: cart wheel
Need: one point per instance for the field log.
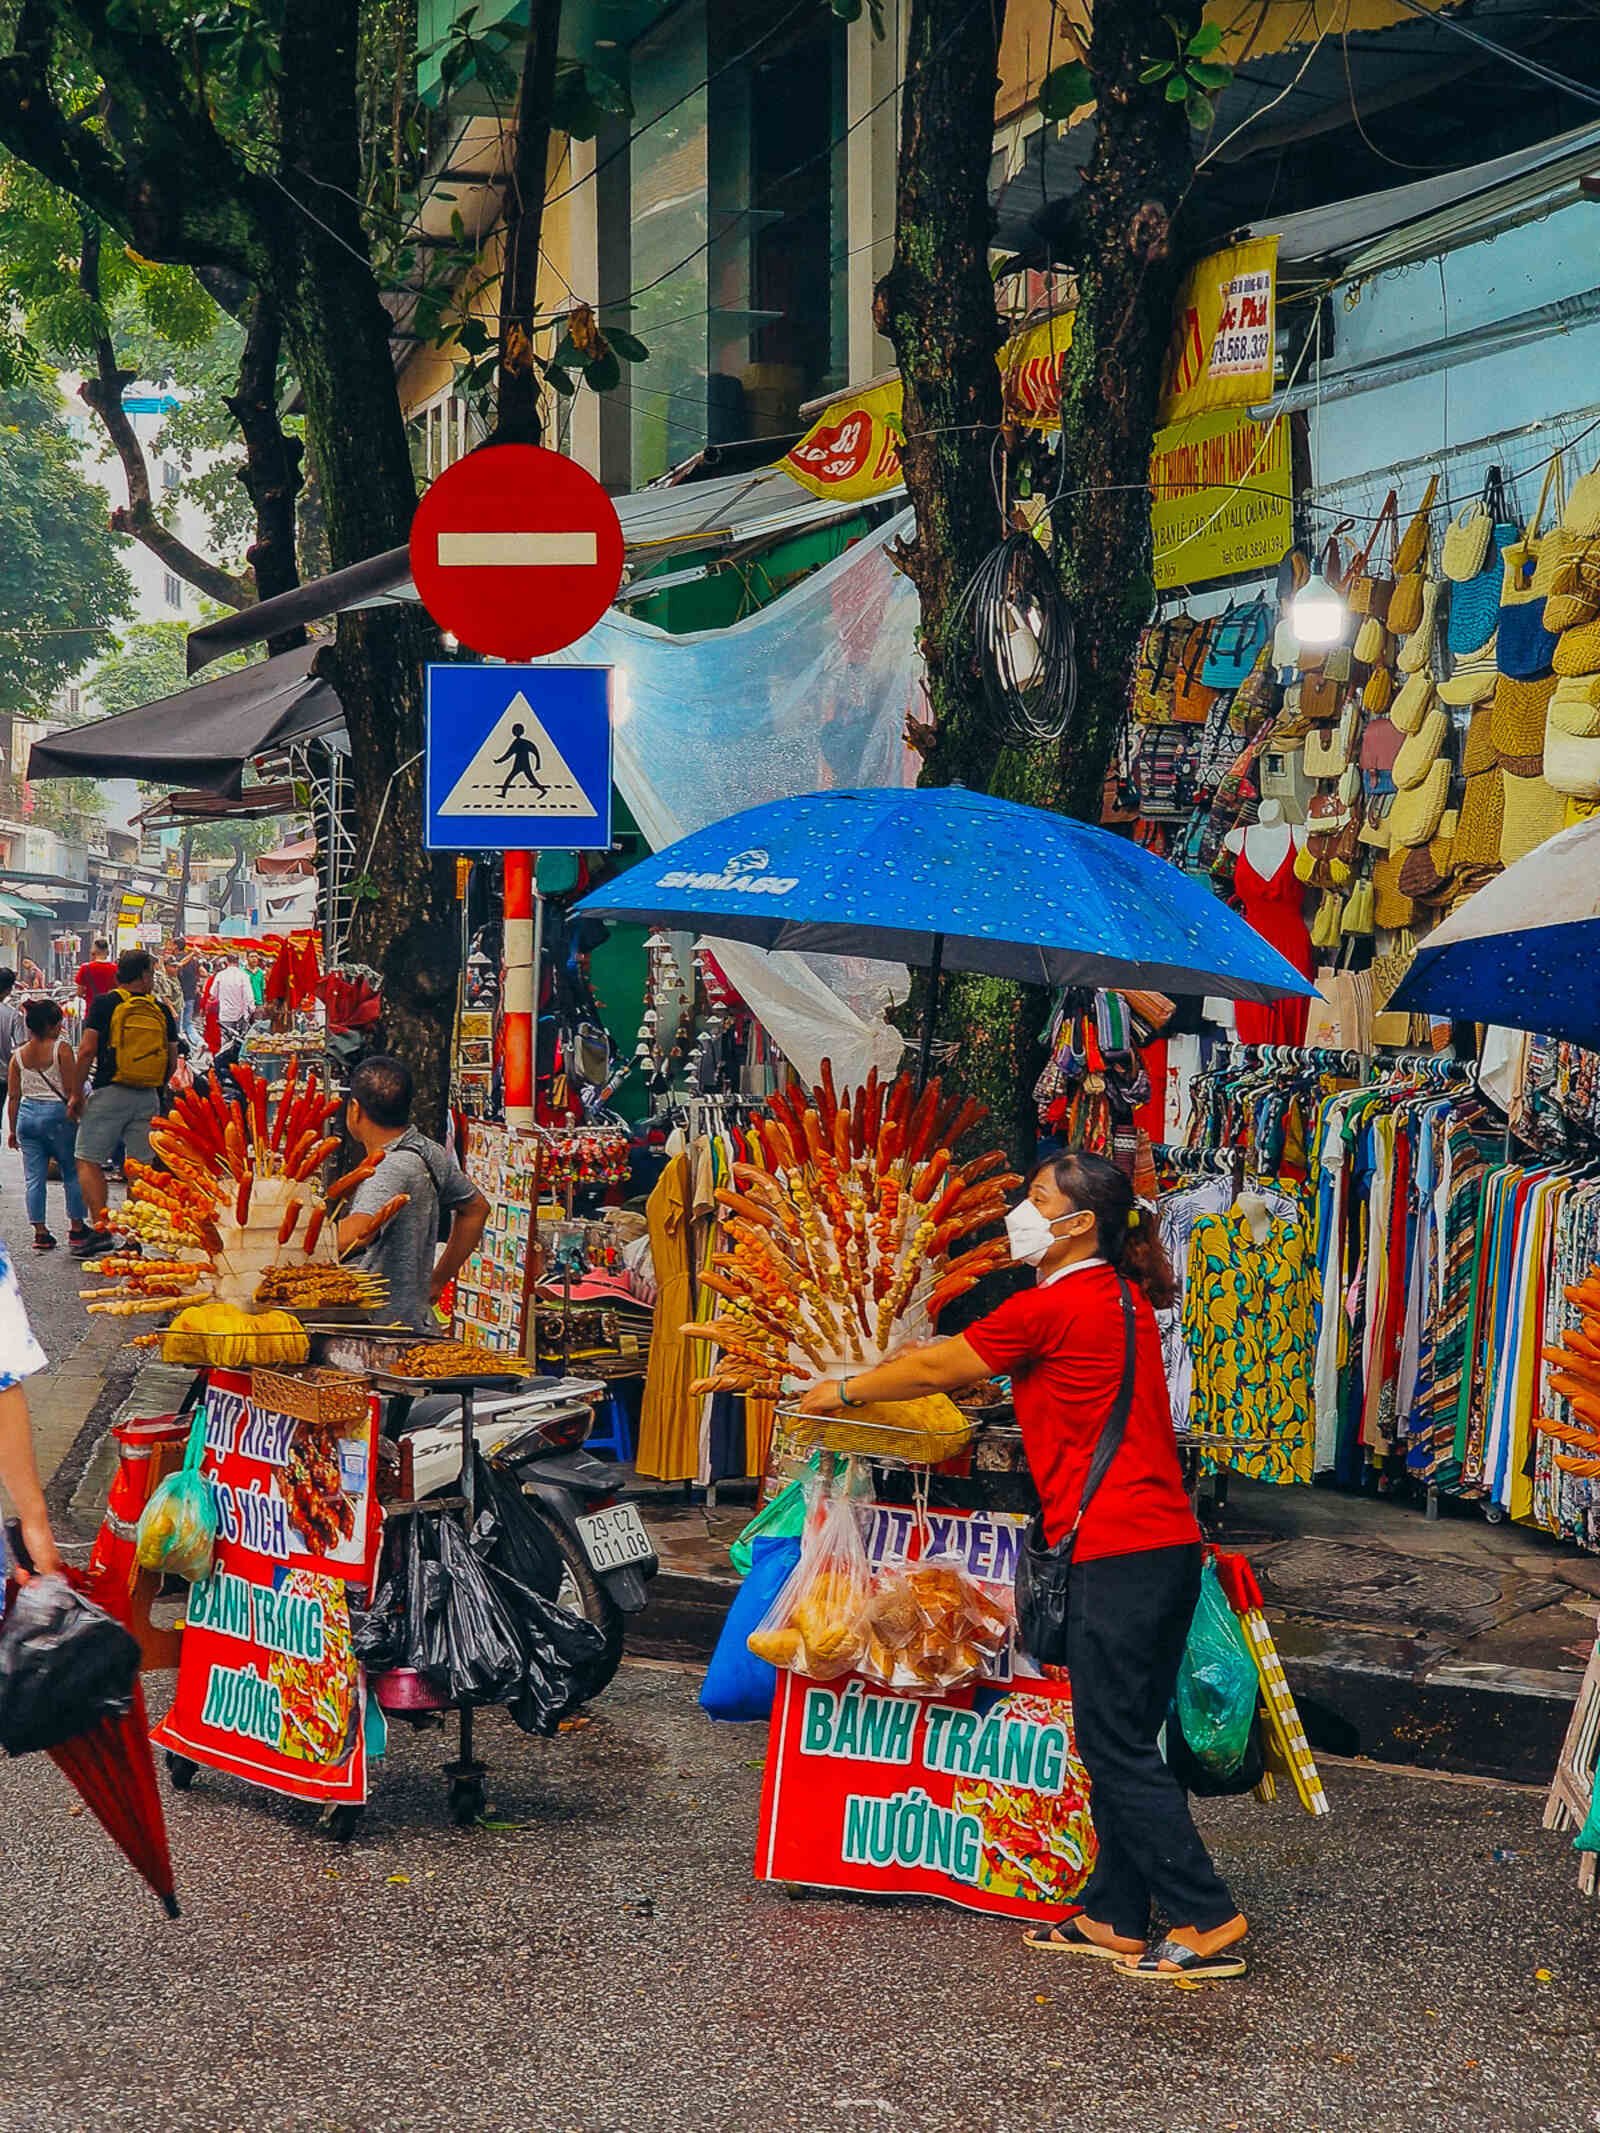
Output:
(343, 1822)
(1494, 1514)
(180, 1771)
(467, 1801)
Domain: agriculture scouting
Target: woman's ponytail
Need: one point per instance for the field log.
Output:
(1126, 1236)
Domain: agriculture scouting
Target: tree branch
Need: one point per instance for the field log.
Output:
(517, 408)
(271, 471)
(103, 395)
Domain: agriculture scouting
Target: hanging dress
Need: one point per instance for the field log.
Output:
(1275, 908)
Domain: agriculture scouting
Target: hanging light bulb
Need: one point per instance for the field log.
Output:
(1317, 612)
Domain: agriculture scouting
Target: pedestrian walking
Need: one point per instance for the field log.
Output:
(12, 1030)
(20, 1357)
(128, 1052)
(40, 1078)
(1081, 1348)
(235, 1002)
(189, 971)
(98, 975)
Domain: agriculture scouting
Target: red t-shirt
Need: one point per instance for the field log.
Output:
(1062, 1345)
(95, 979)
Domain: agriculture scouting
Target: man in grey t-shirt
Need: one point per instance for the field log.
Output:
(402, 1251)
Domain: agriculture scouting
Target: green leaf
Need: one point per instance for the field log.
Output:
(847, 10)
(1158, 70)
(1206, 76)
(1206, 40)
(894, 426)
(495, 74)
(628, 345)
(603, 374)
(1201, 115)
(1064, 88)
(563, 380)
(1178, 89)
(474, 337)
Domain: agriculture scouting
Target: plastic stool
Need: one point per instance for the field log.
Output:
(615, 1436)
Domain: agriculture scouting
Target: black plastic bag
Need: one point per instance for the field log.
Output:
(379, 1633)
(521, 1544)
(64, 1665)
(1194, 1776)
(558, 1647)
(483, 1654)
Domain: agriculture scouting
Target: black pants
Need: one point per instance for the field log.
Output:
(1129, 1618)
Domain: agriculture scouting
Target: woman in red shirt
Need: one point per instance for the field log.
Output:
(1136, 1566)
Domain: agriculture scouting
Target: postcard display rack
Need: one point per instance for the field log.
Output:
(517, 1169)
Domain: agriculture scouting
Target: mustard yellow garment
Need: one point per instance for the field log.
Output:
(669, 1422)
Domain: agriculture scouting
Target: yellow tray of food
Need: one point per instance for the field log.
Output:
(925, 1432)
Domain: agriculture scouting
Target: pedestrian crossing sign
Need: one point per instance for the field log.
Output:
(518, 758)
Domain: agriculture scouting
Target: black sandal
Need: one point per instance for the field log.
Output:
(43, 1241)
(1169, 1962)
(1066, 1937)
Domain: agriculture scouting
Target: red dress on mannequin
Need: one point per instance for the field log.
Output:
(1275, 908)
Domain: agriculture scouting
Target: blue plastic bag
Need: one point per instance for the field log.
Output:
(1217, 1682)
(738, 1685)
(784, 1517)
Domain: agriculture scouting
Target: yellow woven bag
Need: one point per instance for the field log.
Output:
(1578, 650)
(1582, 513)
(1569, 611)
(1405, 606)
(1477, 751)
(1372, 641)
(1413, 548)
(1419, 752)
(1417, 651)
(1575, 707)
(1483, 811)
(1535, 811)
(1378, 693)
(1571, 770)
(1517, 720)
(1413, 701)
(1416, 812)
(1391, 907)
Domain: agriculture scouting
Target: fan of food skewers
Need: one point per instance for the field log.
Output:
(237, 1205)
(1575, 1374)
(842, 1228)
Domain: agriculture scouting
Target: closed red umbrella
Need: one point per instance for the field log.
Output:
(112, 1769)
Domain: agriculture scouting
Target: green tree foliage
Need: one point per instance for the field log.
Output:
(62, 583)
(146, 663)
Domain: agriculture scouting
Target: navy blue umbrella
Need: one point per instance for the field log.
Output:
(1523, 951)
(950, 879)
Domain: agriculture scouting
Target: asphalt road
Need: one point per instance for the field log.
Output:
(604, 1963)
(50, 1281)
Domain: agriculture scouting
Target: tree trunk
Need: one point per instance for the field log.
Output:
(517, 417)
(337, 333)
(936, 304)
(271, 471)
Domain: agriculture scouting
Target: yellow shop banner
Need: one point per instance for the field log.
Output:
(852, 450)
(1220, 497)
(1221, 353)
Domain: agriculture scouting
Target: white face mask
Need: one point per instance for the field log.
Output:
(1029, 1233)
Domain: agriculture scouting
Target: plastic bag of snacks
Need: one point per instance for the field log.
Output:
(932, 1627)
(817, 1625)
(178, 1526)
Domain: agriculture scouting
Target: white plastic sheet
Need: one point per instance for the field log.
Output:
(811, 693)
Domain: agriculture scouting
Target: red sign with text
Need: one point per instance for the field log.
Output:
(269, 1687)
(977, 1797)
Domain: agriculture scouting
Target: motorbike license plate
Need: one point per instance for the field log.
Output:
(612, 1539)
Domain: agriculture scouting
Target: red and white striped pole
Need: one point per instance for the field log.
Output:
(522, 987)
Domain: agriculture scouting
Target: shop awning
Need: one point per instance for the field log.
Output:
(203, 736)
(721, 512)
(26, 904)
(11, 914)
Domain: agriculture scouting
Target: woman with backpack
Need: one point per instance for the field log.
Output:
(40, 1080)
(126, 1057)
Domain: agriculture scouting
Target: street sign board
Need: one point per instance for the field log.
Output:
(519, 759)
(516, 551)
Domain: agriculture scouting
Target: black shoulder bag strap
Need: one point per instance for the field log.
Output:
(1043, 1568)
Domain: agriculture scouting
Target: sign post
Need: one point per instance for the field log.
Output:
(518, 759)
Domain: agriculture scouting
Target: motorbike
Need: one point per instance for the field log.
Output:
(538, 1437)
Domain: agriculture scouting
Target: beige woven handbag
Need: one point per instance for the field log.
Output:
(1571, 768)
(1517, 719)
(1465, 547)
(1575, 708)
(1416, 652)
(1577, 650)
(1582, 514)
(1417, 809)
(1413, 549)
(1419, 752)
(1536, 810)
(1412, 703)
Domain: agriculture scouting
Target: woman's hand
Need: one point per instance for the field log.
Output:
(11, 1138)
(823, 1398)
(40, 1543)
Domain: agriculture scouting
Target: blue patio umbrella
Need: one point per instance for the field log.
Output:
(950, 879)
(1524, 950)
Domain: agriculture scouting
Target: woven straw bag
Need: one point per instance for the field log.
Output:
(1327, 749)
(1417, 808)
(1413, 548)
(1556, 549)
(1575, 707)
(1524, 646)
(1571, 768)
(1390, 964)
(1357, 919)
(1535, 811)
(1374, 831)
(1413, 701)
(1465, 548)
(1477, 751)
(1368, 591)
(1569, 611)
(1372, 641)
(1405, 608)
(1320, 698)
(1325, 927)
(1416, 653)
(1391, 907)
(1378, 693)
(1579, 571)
(1582, 514)
(1424, 874)
(1472, 681)
(1483, 811)
(1578, 650)
(1419, 752)
(1517, 719)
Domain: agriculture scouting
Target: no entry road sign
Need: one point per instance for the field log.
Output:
(519, 759)
(516, 551)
